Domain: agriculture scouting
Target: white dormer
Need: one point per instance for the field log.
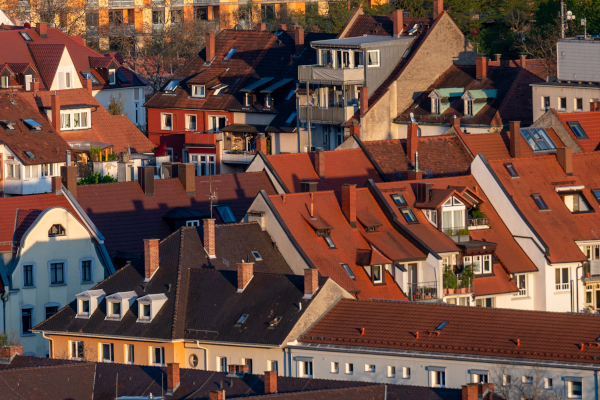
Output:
(118, 304)
(149, 306)
(66, 75)
(88, 301)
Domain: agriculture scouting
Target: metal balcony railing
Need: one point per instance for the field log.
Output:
(319, 73)
(334, 115)
(121, 3)
(422, 291)
(478, 223)
(241, 157)
(522, 292)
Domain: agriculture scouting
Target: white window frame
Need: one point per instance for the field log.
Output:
(522, 291)
(406, 372)
(349, 368)
(162, 356)
(479, 376)
(101, 351)
(222, 364)
(62, 73)
(112, 76)
(31, 171)
(569, 387)
(188, 120)
(391, 371)
(487, 258)
(28, 81)
(194, 222)
(437, 377)
(47, 170)
(13, 171)
(129, 354)
(5, 81)
(562, 286)
(575, 104)
(335, 367)
(369, 65)
(69, 116)
(548, 383)
(199, 91)
(436, 105)
(371, 368)
(272, 366)
(80, 312)
(215, 118)
(381, 272)
(163, 125)
(305, 368)
(77, 356)
(109, 312)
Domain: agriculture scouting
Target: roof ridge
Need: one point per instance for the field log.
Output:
(177, 283)
(302, 193)
(369, 385)
(70, 363)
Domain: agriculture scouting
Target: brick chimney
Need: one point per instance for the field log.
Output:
(523, 60)
(320, 163)
(364, 100)
(261, 143)
(55, 111)
(68, 176)
(349, 203)
(456, 123)
(262, 27)
(57, 184)
(209, 237)
(398, 18)
(595, 105)
(210, 46)
(151, 258)
(270, 382)
(515, 139)
(187, 176)
(216, 395)
(282, 27)
(42, 30)
(245, 273)
(481, 64)
(498, 57)
(564, 156)
(470, 392)
(87, 85)
(412, 131)
(172, 378)
(146, 180)
(438, 8)
(299, 40)
(35, 85)
(311, 282)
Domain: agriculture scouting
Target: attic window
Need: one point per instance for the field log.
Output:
(241, 320)
(112, 76)
(539, 201)
(348, 271)
(273, 324)
(596, 193)
(469, 108)
(56, 230)
(329, 241)
(198, 91)
(409, 216)
(371, 228)
(229, 54)
(8, 125)
(257, 256)
(538, 139)
(511, 170)
(172, 86)
(29, 154)
(577, 130)
(25, 36)
(441, 326)
(225, 213)
(32, 124)
(399, 199)
(575, 202)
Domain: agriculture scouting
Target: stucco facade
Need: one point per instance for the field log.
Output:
(133, 103)
(569, 91)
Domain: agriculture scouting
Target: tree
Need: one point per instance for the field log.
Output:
(116, 106)
(540, 43)
(414, 7)
(532, 384)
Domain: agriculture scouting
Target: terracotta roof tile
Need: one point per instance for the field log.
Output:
(498, 283)
(47, 57)
(590, 122)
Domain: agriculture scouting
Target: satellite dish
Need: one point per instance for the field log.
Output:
(412, 118)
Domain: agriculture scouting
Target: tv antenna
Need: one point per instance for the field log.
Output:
(212, 196)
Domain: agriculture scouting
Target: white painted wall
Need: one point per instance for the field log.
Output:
(555, 91)
(23, 186)
(130, 103)
(39, 249)
(66, 62)
(258, 165)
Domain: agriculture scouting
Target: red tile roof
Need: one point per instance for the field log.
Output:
(471, 331)
(498, 283)
(46, 57)
(341, 166)
(125, 216)
(590, 122)
(557, 227)
(115, 129)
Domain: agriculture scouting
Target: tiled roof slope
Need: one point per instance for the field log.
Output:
(97, 380)
(18, 213)
(557, 227)
(382, 25)
(294, 211)
(130, 216)
(46, 145)
(341, 166)
(115, 129)
(590, 122)
(439, 156)
(43, 53)
(202, 302)
(392, 325)
(513, 101)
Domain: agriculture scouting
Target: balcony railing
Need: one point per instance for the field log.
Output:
(241, 157)
(422, 291)
(478, 223)
(200, 138)
(562, 286)
(521, 292)
(121, 3)
(319, 73)
(336, 115)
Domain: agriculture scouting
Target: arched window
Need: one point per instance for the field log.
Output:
(56, 230)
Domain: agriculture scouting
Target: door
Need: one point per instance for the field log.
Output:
(412, 280)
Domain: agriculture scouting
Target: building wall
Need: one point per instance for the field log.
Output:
(555, 91)
(66, 61)
(257, 165)
(23, 186)
(129, 103)
(39, 249)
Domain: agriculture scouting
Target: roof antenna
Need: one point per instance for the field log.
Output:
(211, 195)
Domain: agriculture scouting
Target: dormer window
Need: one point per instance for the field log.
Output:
(436, 105)
(373, 58)
(268, 102)
(453, 216)
(88, 301)
(56, 230)
(118, 304)
(199, 91)
(5, 82)
(73, 120)
(431, 216)
(85, 307)
(149, 306)
(377, 274)
(115, 310)
(469, 107)
(112, 76)
(575, 202)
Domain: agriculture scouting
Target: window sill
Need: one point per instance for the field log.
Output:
(144, 321)
(28, 335)
(112, 318)
(28, 287)
(83, 316)
(521, 298)
(57, 284)
(562, 291)
(86, 282)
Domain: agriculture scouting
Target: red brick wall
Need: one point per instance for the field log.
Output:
(311, 281)
(172, 376)
(209, 236)
(270, 382)
(245, 271)
(150, 257)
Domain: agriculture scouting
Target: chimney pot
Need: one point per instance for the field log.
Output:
(55, 111)
(438, 8)
(481, 67)
(68, 176)
(349, 203)
(210, 46)
(411, 140)
(270, 382)
(187, 176)
(245, 272)
(398, 17)
(299, 40)
(564, 156)
(146, 180)
(364, 100)
(209, 237)
(151, 257)
(87, 84)
(311, 282)
(515, 139)
(173, 380)
(261, 143)
(216, 395)
(320, 163)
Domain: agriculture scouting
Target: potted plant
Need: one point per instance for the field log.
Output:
(463, 235)
(467, 276)
(449, 280)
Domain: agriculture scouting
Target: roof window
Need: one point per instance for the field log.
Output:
(348, 271)
(56, 230)
(8, 125)
(172, 86)
(539, 201)
(29, 154)
(409, 215)
(577, 130)
(575, 202)
(241, 320)
(257, 256)
(25, 36)
(441, 326)
(399, 199)
(273, 324)
(225, 213)
(329, 241)
(538, 139)
(291, 118)
(149, 305)
(229, 54)
(88, 301)
(596, 193)
(32, 124)
(290, 94)
(89, 75)
(511, 170)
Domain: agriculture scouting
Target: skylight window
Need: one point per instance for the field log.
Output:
(25, 36)
(32, 124)
(577, 130)
(225, 213)
(539, 201)
(575, 202)
(329, 242)
(172, 86)
(596, 193)
(348, 271)
(8, 125)
(29, 154)
(409, 216)
(89, 75)
(273, 324)
(290, 94)
(241, 320)
(257, 256)
(441, 326)
(291, 118)
(229, 54)
(399, 199)
(538, 139)
(511, 170)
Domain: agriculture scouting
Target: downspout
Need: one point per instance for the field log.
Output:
(596, 384)
(50, 354)
(4, 300)
(308, 117)
(577, 280)
(205, 354)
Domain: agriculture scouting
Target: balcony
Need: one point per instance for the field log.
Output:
(320, 74)
(121, 3)
(333, 115)
(238, 157)
(478, 223)
(200, 138)
(422, 291)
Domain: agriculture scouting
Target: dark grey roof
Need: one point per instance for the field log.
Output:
(184, 212)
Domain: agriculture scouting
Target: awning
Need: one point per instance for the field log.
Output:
(257, 84)
(277, 85)
(244, 128)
